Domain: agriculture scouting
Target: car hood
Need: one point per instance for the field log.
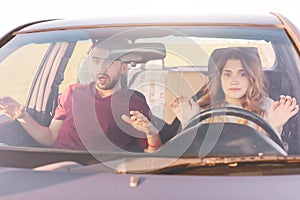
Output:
(61, 185)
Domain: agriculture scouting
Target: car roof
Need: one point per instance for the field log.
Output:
(207, 19)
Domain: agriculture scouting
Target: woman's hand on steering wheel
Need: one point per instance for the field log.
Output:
(232, 111)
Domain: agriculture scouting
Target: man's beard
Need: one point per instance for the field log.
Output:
(110, 86)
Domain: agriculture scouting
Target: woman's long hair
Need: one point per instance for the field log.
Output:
(252, 101)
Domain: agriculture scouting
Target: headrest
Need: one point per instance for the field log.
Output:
(217, 54)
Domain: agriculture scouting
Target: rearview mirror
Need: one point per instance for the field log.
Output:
(138, 53)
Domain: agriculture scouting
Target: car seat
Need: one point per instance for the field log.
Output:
(275, 83)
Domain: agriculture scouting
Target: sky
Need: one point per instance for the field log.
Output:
(17, 12)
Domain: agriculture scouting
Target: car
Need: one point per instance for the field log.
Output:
(167, 57)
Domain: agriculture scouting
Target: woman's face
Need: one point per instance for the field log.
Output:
(234, 81)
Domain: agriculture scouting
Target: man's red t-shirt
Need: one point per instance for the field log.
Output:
(94, 123)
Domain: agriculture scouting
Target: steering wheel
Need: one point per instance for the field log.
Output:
(253, 117)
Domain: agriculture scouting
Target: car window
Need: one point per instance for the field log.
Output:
(18, 69)
(37, 67)
(194, 51)
(71, 73)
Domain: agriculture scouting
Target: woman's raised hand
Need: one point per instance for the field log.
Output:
(281, 111)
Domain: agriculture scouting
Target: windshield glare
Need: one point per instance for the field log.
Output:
(36, 68)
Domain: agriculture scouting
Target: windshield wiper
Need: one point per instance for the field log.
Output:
(238, 165)
(212, 165)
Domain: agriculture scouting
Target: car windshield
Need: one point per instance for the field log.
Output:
(163, 63)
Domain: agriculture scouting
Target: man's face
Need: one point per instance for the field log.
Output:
(107, 73)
